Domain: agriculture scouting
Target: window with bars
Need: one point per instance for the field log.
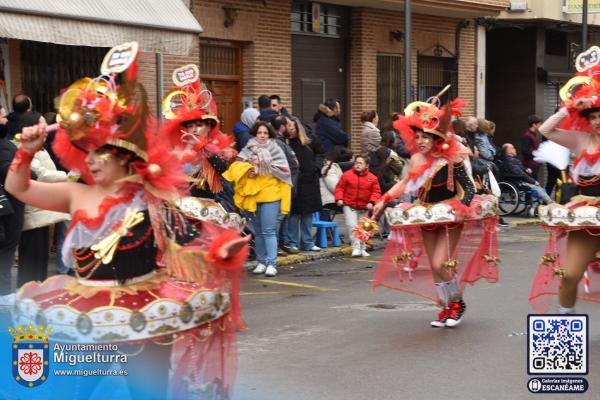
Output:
(390, 72)
(48, 68)
(219, 60)
(317, 18)
(433, 74)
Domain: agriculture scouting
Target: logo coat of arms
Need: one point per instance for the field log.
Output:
(30, 355)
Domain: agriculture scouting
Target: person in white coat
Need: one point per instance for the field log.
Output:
(331, 174)
(34, 246)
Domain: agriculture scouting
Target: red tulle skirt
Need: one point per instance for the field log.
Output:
(405, 266)
(547, 279)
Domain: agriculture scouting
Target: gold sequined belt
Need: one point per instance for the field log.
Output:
(115, 282)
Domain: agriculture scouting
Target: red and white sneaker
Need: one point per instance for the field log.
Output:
(457, 310)
(440, 322)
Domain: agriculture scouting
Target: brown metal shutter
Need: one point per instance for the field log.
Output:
(318, 73)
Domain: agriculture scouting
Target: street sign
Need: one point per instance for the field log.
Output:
(576, 6)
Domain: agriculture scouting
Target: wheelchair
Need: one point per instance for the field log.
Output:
(516, 198)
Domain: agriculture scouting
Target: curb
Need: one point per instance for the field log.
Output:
(528, 221)
(330, 252)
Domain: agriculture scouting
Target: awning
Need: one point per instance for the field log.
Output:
(165, 26)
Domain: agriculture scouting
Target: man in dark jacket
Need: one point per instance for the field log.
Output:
(514, 169)
(266, 112)
(328, 127)
(529, 143)
(21, 104)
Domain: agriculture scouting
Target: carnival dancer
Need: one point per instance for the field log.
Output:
(446, 220)
(146, 277)
(193, 129)
(569, 258)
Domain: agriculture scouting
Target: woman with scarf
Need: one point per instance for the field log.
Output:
(263, 187)
(446, 219)
(162, 288)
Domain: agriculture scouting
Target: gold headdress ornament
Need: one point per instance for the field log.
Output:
(427, 113)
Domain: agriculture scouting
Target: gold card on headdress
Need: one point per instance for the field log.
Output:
(119, 58)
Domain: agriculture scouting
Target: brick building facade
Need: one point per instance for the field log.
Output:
(246, 50)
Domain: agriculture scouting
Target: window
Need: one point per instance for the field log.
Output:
(556, 43)
(331, 19)
(390, 73)
(433, 74)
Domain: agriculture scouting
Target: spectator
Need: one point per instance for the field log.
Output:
(370, 138)
(396, 166)
(513, 167)
(3, 121)
(10, 224)
(279, 124)
(34, 245)
(266, 112)
(60, 228)
(357, 191)
(276, 105)
(379, 162)
(529, 143)
(328, 127)
(331, 174)
(483, 142)
(308, 198)
(21, 104)
(241, 129)
(262, 183)
(479, 168)
(400, 148)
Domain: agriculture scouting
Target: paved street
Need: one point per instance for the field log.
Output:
(317, 331)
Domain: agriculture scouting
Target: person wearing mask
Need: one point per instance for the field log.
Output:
(357, 192)
(241, 129)
(263, 188)
(328, 126)
(307, 199)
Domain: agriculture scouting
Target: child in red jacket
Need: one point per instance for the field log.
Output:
(357, 191)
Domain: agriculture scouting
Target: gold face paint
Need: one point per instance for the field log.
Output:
(106, 157)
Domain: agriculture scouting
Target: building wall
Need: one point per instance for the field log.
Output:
(14, 54)
(263, 29)
(370, 36)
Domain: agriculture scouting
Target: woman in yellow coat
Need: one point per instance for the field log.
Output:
(263, 187)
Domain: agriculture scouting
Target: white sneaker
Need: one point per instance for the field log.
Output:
(260, 269)
(315, 248)
(364, 253)
(271, 271)
(356, 253)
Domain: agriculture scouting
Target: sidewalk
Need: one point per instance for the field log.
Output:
(345, 249)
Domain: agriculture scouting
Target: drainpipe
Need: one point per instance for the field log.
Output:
(159, 84)
(407, 51)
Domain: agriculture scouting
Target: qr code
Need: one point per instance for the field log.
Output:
(557, 344)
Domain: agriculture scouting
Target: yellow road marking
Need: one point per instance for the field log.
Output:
(262, 293)
(319, 288)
